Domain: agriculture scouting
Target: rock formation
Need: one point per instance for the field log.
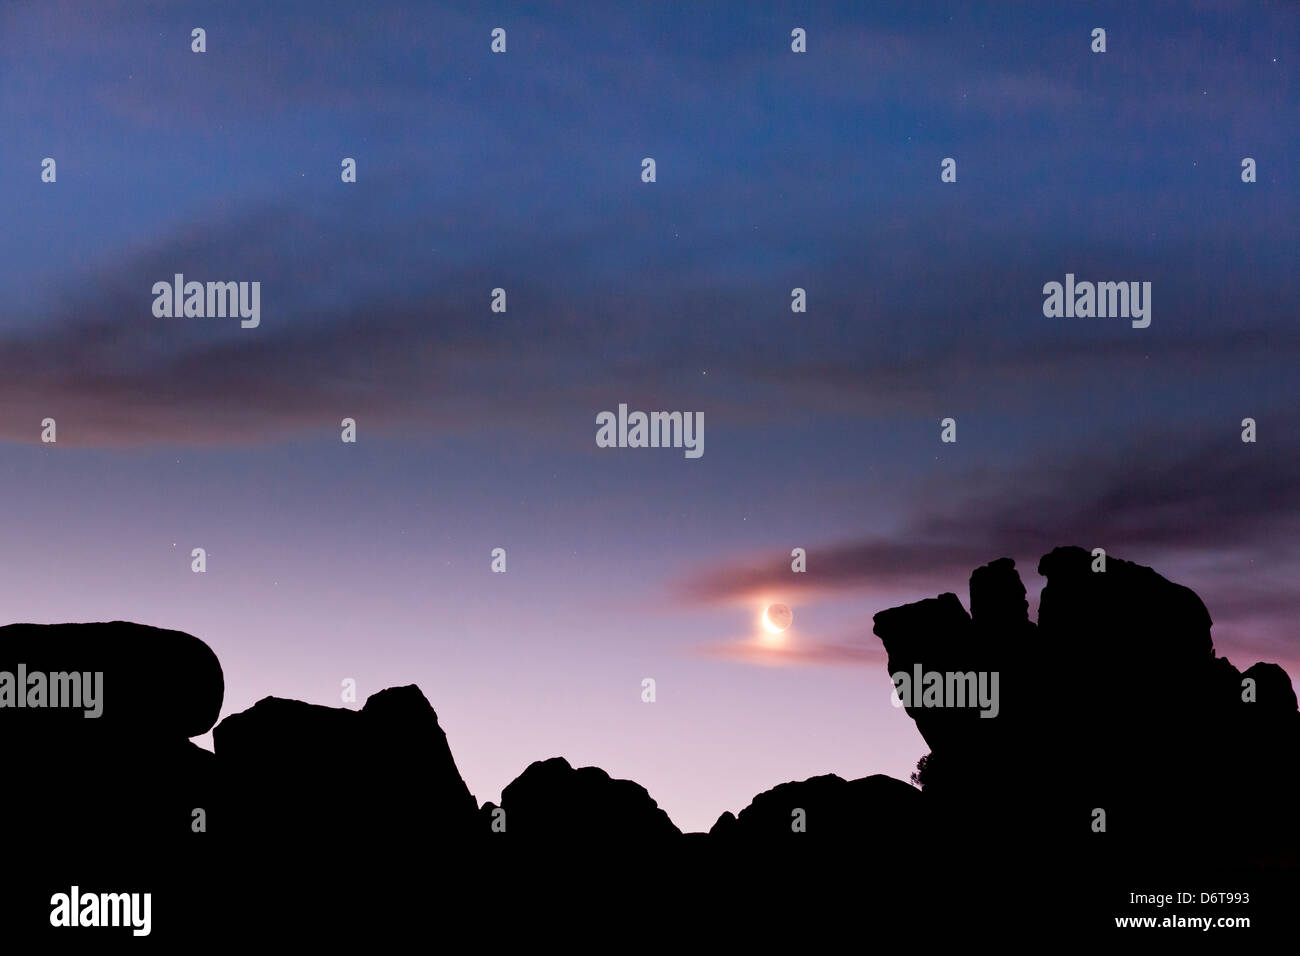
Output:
(1113, 701)
(555, 803)
(305, 774)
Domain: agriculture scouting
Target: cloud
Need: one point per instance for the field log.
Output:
(797, 651)
(361, 318)
(851, 566)
(1223, 513)
(412, 346)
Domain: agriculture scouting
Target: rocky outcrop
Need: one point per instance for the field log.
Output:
(552, 801)
(102, 746)
(872, 812)
(1114, 702)
(107, 801)
(306, 773)
(158, 684)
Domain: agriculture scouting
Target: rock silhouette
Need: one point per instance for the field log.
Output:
(293, 772)
(158, 689)
(850, 814)
(314, 816)
(1114, 701)
(553, 802)
(106, 800)
(164, 685)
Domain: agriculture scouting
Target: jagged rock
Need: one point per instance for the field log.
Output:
(1116, 701)
(1274, 694)
(551, 800)
(997, 596)
(1127, 610)
(297, 770)
(724, 826)
(870, 810)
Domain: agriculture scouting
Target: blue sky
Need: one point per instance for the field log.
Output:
(522, 171)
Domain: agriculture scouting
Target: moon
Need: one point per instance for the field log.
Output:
(777, 618)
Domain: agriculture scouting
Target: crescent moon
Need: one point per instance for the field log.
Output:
(768, 625)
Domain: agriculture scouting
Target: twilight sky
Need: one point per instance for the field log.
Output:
(477, 430)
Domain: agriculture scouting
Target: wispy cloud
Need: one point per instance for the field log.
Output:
(1219, 518)
(799, 651)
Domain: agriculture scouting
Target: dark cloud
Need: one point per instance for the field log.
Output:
(1154, 502)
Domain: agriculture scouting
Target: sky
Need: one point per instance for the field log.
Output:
(522, 170)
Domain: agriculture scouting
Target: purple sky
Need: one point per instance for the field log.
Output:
(476, 430)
